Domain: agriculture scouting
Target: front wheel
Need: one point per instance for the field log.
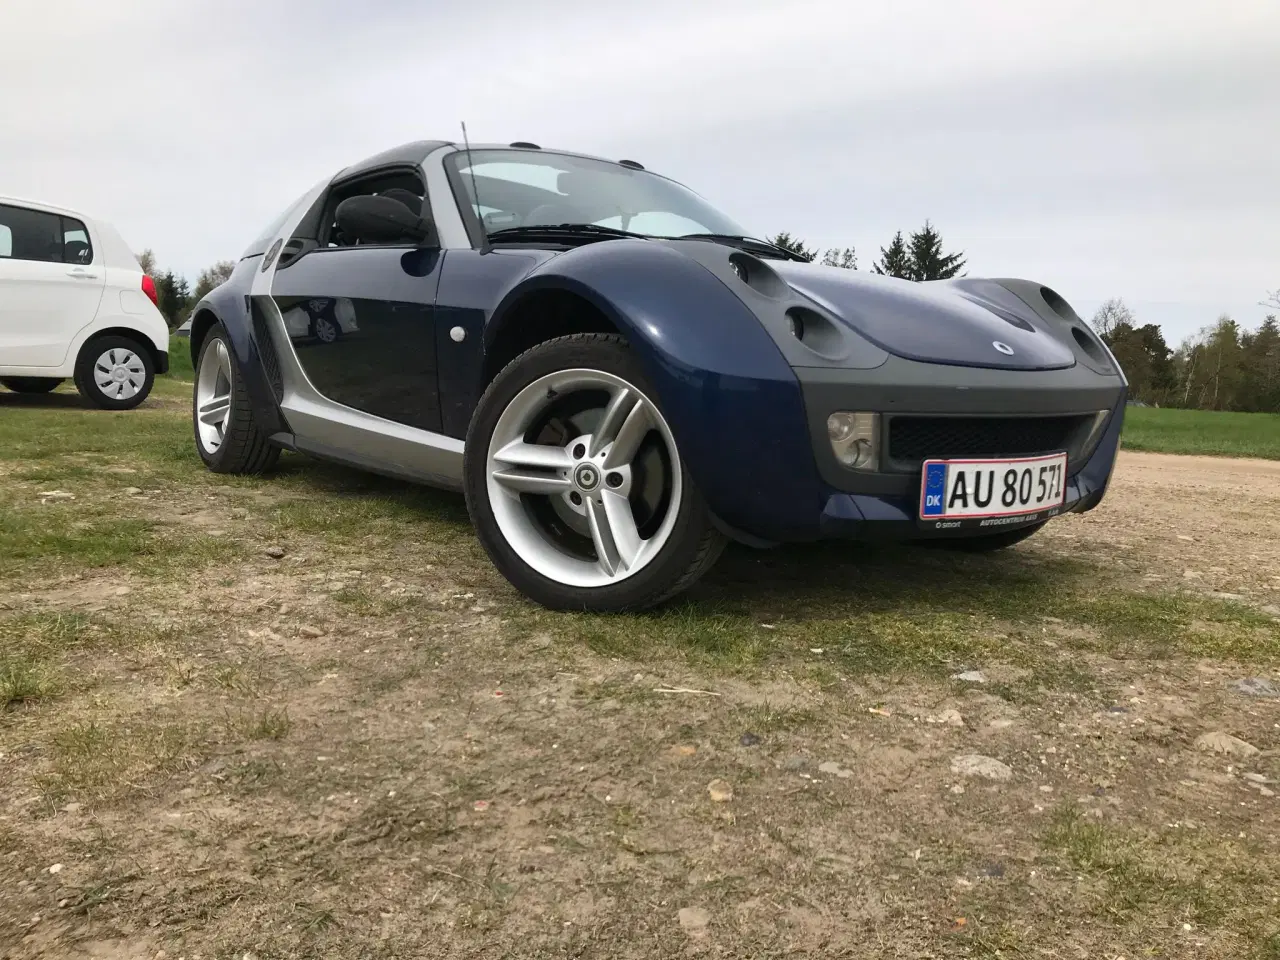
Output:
(227, 437)
(575, 484)
(30, 384)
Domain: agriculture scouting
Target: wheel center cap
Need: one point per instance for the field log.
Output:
(586, 477)
(118, 374)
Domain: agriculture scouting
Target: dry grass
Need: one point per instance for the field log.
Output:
(372, 747)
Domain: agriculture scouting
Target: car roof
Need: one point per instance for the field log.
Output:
(416, 151)
(41, 205)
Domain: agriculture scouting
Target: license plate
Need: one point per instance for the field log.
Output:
(973, 489)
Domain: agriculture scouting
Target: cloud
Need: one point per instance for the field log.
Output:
(1102, 147)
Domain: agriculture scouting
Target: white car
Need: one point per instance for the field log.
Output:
(74, 303)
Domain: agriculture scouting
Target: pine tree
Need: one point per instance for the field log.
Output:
(928, 262)
(174, 295)
(793, 244)
(895, 260)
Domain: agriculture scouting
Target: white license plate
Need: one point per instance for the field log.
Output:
(992, 488)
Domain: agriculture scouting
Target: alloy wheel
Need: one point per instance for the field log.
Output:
(583, 477)
(213, 394)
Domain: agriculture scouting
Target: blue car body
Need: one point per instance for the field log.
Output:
(716, 328)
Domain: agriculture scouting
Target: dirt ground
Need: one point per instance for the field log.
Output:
(319, 725)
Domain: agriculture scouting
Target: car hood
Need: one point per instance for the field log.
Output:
(968, 322)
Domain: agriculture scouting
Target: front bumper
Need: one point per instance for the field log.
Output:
(851, 516)
(884, 506)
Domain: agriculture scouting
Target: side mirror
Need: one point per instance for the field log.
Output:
(381, 220)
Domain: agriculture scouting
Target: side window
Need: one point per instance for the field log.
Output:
(33, 234)
(406, 187)
(76, 247)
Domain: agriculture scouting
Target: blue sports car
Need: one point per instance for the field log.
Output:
(620, 378)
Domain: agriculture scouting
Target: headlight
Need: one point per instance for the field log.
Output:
(855, 439)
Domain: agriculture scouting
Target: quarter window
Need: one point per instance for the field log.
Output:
(45, 237)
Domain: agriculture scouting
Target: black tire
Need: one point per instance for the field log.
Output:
(31, 384)
(84, 373)
(988, 542)
(245, 448)
(694, 544)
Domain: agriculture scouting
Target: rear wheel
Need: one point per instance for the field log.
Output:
(30, 384)
(227, 438)
(576, 486)
(115, 373)
(987, 542)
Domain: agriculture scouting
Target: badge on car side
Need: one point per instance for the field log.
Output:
(270, 258)
(1002, 348)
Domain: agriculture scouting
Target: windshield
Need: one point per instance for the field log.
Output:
(523, 188)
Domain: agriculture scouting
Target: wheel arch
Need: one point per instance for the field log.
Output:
(202, 321)
(724, 386)
(159, 358)
(540, 311)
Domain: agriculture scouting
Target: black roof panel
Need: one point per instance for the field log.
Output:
(413, 153)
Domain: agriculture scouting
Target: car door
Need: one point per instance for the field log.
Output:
(360, 316)
(51, 281)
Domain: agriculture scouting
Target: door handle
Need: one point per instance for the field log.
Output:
(80, 273)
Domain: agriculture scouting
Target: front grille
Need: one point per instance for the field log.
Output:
(913, 439)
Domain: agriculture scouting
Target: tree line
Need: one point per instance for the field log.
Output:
(918, 257)
(1222, 367)
(174, 295)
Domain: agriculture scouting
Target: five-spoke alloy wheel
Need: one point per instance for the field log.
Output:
(575, 483)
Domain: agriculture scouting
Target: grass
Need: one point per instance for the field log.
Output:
(376, 768)
(1140, 876)
(180, 366)
(1202, 432)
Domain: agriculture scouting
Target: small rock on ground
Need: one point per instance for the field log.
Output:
(312, 632)
(1256, 687)
(275, 553)
(1219, 742)
(970, 676)
(720, 791)
(694, 921)
(950, 718)
(976, 765)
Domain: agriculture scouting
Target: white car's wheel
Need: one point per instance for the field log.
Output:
(575, 483)
(114, 373)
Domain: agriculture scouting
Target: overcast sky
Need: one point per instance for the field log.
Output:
(1120, 148)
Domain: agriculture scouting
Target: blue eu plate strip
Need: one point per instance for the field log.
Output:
(935, 487)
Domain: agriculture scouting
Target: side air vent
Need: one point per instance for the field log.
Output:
(1059, 305)
(1089, 344)
(816, 332)
(267, 350)
(757, 275)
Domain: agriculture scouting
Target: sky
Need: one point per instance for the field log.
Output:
(1127, 148)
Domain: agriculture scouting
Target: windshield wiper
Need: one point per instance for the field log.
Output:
(747, 243)
(563, 229)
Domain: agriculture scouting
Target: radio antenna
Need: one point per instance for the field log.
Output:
(475, 191)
